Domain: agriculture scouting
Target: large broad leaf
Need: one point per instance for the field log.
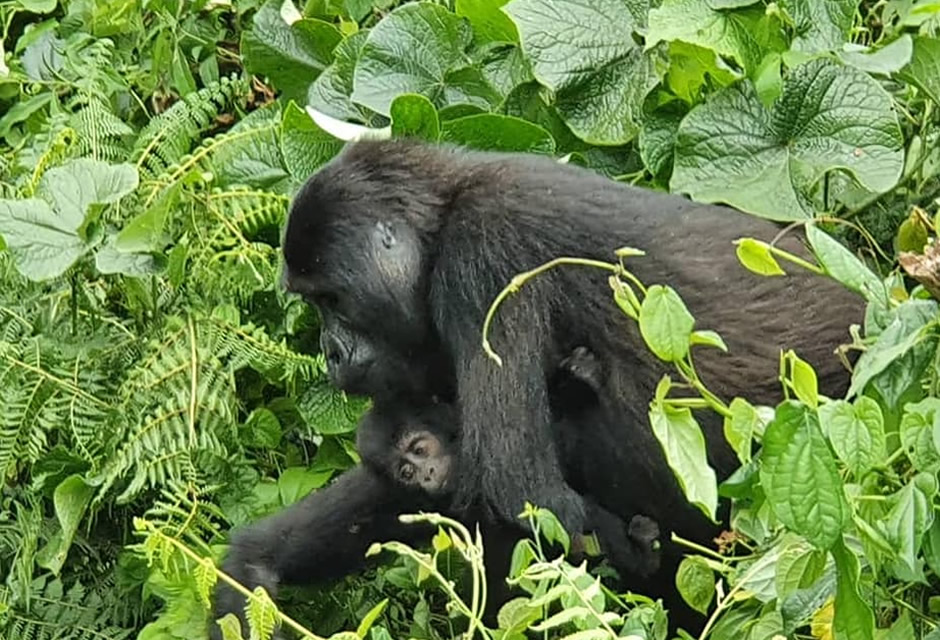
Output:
(331, 91)
(853, 618)
(924, 68)
(821, 26)
(419, 48)
(490, 131)
(743, 35)
(829, 117)
(886, 60)
(44, 240)
(684, 446)
(72, 187)
(800, 478)
(43, 243)
(598, 72)
(856, 432)
(489, 23)
(293, 54)
(304, 145)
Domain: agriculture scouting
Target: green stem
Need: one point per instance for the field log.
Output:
(520, 279)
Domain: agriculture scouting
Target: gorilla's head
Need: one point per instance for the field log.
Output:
(357, 247)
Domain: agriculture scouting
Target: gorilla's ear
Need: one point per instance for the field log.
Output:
(397, 252)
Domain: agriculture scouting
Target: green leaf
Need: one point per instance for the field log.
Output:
(856, 432)
(853, 618)
(490, 131)
(598, 73)
(305, 146)
(842, 265)
(708, 339)
(803, 380)
(665, 323)
(684, 445)
(330, 92)
(744, 35)
(740, 427)
(295, 483)
(657, 140)
(291, 55)
(920, 425)
(71, 498)
(692, 68)
(696, 583)
(924, 68)
(414, 116)
(38, 6)
(263, 429)
(418, 48)
(43, 243)
(798, 567)
(932, 546)
(887, 60)
(733, 150)
(551, 529)
(907, 328)
(755, 255)
(145, 231)
(910, 517)
(109, 259)
(327, 411)
(489, 23)
(75, 186)
(821, 26)
(369, 619)
(800, 478)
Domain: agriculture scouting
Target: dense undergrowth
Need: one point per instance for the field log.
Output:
(152, 368)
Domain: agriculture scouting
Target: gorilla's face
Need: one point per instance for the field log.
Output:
(370, 290)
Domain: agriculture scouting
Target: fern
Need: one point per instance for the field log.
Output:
(76, 613)
(180, 403)
(250, 345)
(100, 133)
(228, 259)
(170, 136)
(46, 400)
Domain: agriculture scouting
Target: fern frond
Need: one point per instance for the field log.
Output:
(76, 613)
(170, 135)
(180, 402)
(101, 134)
(45, 400)
(250, 345)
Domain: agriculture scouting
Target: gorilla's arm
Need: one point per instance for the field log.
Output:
(324, 536)
(506, 445)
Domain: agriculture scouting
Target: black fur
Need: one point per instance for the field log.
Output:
(403, 247)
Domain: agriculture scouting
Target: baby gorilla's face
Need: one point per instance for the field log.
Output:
(424, 461)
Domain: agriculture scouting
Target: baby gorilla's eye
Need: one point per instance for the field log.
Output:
(419, 450)
(407, 472)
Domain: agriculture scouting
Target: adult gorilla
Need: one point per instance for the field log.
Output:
(403, 246)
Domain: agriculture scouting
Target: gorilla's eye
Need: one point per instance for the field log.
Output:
(325, 299)
(407, 471)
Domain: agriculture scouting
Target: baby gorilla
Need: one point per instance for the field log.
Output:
(415, 445)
